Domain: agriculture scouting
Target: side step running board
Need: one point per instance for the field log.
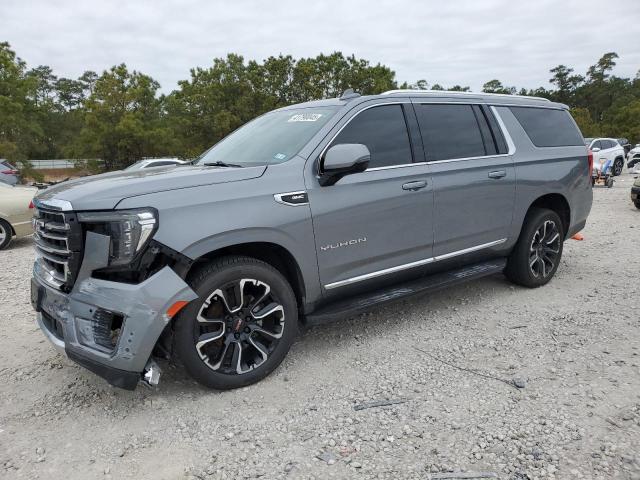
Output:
(353, 305)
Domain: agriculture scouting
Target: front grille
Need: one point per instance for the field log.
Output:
(59, 245)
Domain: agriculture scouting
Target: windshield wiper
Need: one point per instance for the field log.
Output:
(221, 164)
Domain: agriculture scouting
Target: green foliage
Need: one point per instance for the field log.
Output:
(119, 116)
(495, 86)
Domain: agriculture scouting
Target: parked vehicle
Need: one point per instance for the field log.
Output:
(9, 174)
(633, 157)
(304, 215)
(15, 212)
(624, 143)
(154, 162)
(635, 193)
(607, 149)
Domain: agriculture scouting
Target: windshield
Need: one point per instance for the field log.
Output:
(272, 138)
(136, 166)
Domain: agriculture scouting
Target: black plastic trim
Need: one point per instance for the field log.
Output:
(116, 377)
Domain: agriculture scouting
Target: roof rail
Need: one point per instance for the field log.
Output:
(455, 93)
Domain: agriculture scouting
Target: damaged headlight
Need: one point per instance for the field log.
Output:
(130, 230)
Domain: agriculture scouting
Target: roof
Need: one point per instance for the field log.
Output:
(489, 98)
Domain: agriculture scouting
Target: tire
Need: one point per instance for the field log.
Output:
(618, 165)
(223, 342)
(534, 260)
(6, 234)
(637, 204)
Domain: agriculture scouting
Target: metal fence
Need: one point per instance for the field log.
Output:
(58, 163)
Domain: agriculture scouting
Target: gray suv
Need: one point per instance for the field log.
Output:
(304, 215)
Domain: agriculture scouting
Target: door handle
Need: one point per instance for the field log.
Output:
(414, 185)
(498, 174)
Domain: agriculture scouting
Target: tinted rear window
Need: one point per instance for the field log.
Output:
(450, 131)
(548, 128)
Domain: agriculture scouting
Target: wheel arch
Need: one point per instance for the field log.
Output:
(557, 203)
(6, 219)
(273, 254)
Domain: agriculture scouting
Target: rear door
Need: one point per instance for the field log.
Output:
(378, 223)
(473, 177)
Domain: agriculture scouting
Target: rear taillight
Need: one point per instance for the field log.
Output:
(590, 160)
(31, 205)
(10, 172)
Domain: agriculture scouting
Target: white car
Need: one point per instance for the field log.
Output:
(633, 159)
(154, 162)
(16, 211)
(607, 149)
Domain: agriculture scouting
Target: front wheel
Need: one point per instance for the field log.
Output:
(637, 204)
(535, 258)
(241, 326)
(617, 167)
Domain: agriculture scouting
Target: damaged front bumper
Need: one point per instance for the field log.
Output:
(108, 327)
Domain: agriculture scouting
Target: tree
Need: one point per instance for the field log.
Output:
(495, 86)
(122, 121)
(566, 83)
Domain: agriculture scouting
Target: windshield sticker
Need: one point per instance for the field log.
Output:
(305, 117)
(279, 156)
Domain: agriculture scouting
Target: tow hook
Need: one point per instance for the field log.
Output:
(151, 374)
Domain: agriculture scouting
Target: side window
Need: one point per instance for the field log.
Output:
(498, 136)
(384, 131)
(597, 144)
(607, 144)
(450, 131)
(548, 127)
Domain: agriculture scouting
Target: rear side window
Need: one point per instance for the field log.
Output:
(384, 131)
(450, 131)
(596, 144)
(547, 127)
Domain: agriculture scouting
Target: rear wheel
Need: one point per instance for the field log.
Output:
(6, 234)
(637, 204)
(536, 256)
(618, 164)
(241, 326)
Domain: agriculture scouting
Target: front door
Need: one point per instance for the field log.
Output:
(473, 177)
(375, 224)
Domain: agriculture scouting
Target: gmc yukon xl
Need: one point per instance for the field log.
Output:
(303, 215)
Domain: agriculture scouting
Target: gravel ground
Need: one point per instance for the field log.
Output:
(573, 345)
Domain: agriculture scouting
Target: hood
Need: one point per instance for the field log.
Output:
(105, 191)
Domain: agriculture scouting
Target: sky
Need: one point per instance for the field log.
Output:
(447, 42)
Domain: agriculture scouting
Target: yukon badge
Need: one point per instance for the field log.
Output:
(346, 243)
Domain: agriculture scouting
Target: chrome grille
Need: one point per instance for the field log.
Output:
(58, 244)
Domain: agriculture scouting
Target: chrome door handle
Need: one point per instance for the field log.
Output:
(498, 174)
(414, 185)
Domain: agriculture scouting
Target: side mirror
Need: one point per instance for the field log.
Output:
(595, 149)
(341, 160)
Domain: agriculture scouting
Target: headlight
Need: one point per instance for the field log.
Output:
(130, 230)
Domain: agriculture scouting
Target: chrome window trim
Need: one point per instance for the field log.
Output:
(278, 198)
(390, 167)
(406, 266)
(510, 144)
